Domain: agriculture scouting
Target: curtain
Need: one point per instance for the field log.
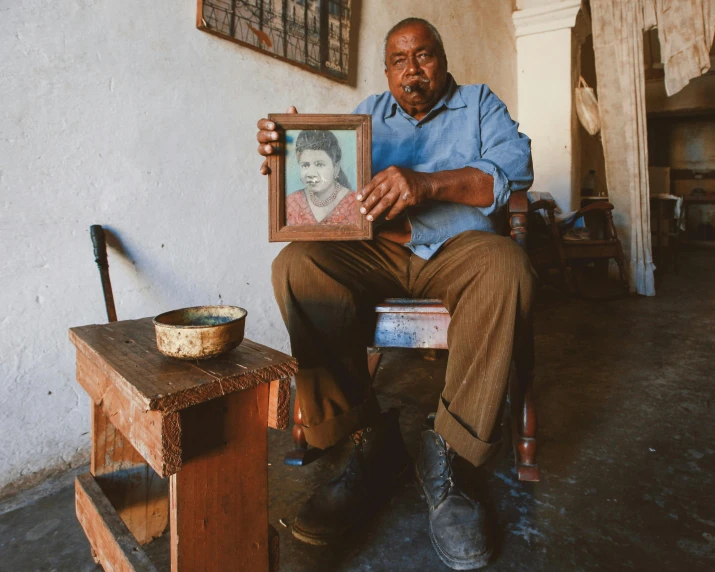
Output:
(685, 31)
(618, 46)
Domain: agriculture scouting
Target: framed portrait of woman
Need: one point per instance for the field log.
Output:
(323, 161)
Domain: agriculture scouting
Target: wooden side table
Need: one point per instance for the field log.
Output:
(203, 425)
(690, 236)
(587, 200)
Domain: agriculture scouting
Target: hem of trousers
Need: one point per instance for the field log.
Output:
(331, 431)
(461, 439)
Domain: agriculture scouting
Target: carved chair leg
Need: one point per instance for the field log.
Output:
(621, 261)
(523, 422)
(302, 454)
(525, 443)
(298, 432)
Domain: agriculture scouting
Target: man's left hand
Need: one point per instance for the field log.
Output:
(395, 188)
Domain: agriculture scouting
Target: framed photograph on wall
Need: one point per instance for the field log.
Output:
(323, 160)
(311, 34)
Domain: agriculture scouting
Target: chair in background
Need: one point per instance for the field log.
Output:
(666, 216)
(571, 251)
(421, 323)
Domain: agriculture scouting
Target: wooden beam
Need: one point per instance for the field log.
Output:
(126, 354)
(139, 496)
(219, 499)
(155, 435)
(114, 546)
(279, 404)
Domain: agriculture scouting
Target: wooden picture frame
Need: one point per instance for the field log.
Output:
(339, 165)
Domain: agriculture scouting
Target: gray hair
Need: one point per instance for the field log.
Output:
(406, 22)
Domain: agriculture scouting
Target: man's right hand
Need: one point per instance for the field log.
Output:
(267, 135)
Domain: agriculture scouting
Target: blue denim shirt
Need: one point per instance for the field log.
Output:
(468, 127)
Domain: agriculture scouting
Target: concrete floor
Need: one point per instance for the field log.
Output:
(627, 452)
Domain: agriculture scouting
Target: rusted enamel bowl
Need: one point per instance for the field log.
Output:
(201, 332)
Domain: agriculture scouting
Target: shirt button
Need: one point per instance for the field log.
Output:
(419, 127)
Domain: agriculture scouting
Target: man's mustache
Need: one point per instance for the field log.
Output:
(415, 84)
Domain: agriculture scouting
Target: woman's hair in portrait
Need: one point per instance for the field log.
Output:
(321, 141)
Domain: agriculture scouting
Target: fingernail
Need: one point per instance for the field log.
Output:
(359, 197)
(369, 217)
(363, 210)
(274, 135)
(270, 126)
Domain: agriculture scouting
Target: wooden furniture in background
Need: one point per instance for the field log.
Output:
(178, 442)
(414, 323)
(567, 254)
(692, 235)
(665, 229)
(587, 200)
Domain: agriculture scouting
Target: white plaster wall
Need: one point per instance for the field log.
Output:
(525, 4)
(123, 114)
(545, 91)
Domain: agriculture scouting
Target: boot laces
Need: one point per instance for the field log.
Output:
(446, 473)
(356, 465)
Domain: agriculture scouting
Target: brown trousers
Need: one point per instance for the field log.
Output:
(327, 291)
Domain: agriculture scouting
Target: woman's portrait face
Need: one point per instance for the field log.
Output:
(317, 170)
(314, 197)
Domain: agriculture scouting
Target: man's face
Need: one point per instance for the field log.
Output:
(416, 69)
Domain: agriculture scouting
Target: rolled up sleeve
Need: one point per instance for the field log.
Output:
(505, 154)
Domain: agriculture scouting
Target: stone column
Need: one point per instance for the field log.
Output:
(548, 39)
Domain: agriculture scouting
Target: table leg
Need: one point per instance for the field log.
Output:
(219, 498)
(660, 232)
(136, 492)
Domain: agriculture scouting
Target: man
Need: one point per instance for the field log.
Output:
(446, 158)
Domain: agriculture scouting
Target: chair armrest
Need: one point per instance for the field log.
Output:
(517, 210)
(600, 206)
(548, 206)
(518, 202)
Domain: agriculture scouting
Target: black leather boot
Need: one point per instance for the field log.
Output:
(458, 525)
(376, 464)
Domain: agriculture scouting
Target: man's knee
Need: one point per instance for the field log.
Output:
(296, 263)
(516, 261)
(507, 264)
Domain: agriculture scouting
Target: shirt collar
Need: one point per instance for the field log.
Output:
(452, 99)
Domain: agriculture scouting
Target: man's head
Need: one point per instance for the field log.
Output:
(415, 65)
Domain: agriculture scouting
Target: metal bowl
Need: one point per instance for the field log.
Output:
(201, 332)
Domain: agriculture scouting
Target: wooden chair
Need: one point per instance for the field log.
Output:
(567, 254)
(413, 323)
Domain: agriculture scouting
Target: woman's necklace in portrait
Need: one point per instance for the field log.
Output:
(325, 202)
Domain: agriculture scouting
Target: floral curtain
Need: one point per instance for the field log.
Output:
(685, 30)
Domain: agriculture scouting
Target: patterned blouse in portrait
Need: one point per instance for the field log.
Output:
(298, 210)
